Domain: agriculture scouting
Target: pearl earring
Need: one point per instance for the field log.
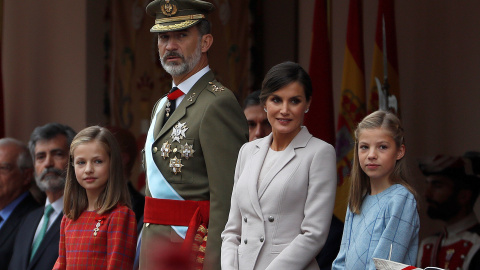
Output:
(307, 110)
(265, 109)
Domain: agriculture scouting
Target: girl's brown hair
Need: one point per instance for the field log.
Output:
(359, 181)
(116, 191)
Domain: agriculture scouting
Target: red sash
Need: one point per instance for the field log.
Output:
(194, 214)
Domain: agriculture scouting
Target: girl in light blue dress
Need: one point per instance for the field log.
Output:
(382, 219)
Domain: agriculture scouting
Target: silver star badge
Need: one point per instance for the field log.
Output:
(176, 165)
(178, 132)
(187, 150)
(166, 149)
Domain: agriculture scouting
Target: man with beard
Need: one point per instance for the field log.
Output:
(453, 185)
(36, 245)
(193, 141)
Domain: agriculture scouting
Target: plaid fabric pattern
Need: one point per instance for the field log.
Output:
(388, 219)
(112, 248)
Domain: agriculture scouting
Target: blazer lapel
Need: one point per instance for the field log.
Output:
(287, 155)
(257, 163)
(159, 120)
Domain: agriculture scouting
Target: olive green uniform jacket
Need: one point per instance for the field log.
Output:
(217, 128)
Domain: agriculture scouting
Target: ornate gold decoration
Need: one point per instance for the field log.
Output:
(169, 9)
(166, 149)
(215, 88)
(180, 18)
(172, 27)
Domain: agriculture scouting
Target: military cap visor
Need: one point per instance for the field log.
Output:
(174, 15)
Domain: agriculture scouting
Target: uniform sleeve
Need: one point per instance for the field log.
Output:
(222, 132)
(318, 213)
(231, 236)
(61, 260)
(339, 262)
(401, 231)
(121, 240)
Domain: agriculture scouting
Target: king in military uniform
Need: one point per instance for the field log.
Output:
(453, 185)
(193, 141)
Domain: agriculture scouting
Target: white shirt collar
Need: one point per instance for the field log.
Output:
(186, 85)
(57, 205)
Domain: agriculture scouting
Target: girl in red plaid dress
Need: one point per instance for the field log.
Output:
(98, 230)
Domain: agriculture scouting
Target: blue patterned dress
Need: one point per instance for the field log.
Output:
(388, 219)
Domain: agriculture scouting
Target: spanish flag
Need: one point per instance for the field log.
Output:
(321, 119)
(352, 104)
(385, 45)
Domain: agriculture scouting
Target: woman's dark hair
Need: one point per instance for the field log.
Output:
(282, 75)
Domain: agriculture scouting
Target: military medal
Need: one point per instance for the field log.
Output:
(167, 109)
(166, 149)
(97, 226)
(178, 132)
(176, 165)
(216, 88)
(187, 150)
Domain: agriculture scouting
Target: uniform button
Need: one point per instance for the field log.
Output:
(245, 219)
(462, 257)
(155, 149)
(245, 241)
(262, 239)
(271, 219)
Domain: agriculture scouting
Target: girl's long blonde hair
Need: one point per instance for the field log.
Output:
(116, 191)
(359, 181)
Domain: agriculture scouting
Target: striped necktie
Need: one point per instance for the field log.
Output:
(43, 230)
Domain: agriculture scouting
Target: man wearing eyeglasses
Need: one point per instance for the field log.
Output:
(16, 175)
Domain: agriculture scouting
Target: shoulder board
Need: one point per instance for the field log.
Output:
(216, 87)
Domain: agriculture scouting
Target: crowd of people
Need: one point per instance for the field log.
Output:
(227, 187)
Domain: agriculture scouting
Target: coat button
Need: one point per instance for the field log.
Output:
(245, 219)
(262, 239)
(271, 219)
(245, 241)
(155, 149)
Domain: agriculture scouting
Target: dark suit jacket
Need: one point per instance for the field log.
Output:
(10, 228)
(47, 252)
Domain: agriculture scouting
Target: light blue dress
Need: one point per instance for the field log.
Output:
(388, 219)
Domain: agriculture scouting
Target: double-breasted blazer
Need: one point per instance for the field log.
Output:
(284, 222)
(217, 128)
(9, 230)
(47, 252)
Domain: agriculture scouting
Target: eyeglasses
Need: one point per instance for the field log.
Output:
(6, 168)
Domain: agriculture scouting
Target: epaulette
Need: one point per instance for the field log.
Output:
(215, 87)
